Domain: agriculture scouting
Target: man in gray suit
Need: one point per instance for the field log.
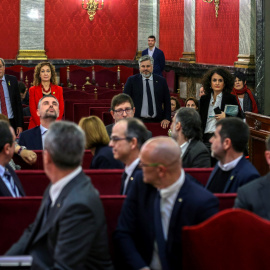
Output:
(186, 130)
(70, 228)
(254, 196)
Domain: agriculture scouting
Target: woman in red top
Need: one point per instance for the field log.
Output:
(44, 84)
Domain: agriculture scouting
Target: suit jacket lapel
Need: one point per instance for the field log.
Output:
(188, 149)
(264, 192)
(9, 86)
(16, 180)
(4, 190)
(38, 137)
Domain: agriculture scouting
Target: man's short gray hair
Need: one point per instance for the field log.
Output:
(65, 142)
(3, 61)
(39, 103)
(146, 58)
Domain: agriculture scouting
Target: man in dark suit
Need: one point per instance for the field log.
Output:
(157, 54)
(186, 130)
(228, 145)
(10, 184)
(254, 196)
(128, 135)
(48, 111)
(148, 235)
(150, 94)
(122, 107)
(10, 100)
(70, 228)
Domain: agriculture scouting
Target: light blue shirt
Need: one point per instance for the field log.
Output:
(150, 53)
(7, 98)
(7, 183)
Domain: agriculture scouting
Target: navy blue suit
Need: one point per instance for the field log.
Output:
(31, 139)
(4, 191)
(134, 88)
(159, 60)
(243, 173)
(103, 159)
(134, 236)
(130, 180)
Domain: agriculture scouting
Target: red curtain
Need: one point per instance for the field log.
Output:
(217, 39)
(9, 30)
(171, 31)
(111, 35)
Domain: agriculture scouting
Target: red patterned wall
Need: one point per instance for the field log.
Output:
(9, 28)
(171, 28)
(217, 39)
(69, 34)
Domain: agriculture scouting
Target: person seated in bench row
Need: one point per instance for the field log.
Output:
(228, 145)
(186, 130)
(97, 141)
(122, 107)
(158, 205)
(70, 229)
(28, 156)
(10, 184)
(254, 196)
(48, 111)
(128, 136)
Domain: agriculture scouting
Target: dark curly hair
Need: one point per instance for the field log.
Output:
(224, 73)
(37, 80)
(176, 103)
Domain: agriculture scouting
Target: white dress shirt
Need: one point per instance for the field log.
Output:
(229, 166)
(129, 170)
(43, 131)
(151, 52)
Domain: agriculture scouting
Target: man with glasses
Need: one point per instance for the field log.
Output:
(150, 94)
(10, 99)
(122, 107)
(128, 135)
(164, 199)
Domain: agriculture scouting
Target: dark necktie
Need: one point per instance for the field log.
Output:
(123, 178)
(47, 209)
(2, 100)
(159, 233)
(15, 190)
(149, 98)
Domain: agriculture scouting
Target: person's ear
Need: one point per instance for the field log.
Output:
(227, 143)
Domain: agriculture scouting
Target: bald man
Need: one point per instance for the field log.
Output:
(160, 202)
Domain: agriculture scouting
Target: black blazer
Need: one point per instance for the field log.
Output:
(159, 60)
(130, 180)
(31, 139)
(4, 191)
(134, 88)
(254, 197)
(204, 105)
(196, 156)
(103, 159)
(135, 237)
(75, 233)
(15, 100)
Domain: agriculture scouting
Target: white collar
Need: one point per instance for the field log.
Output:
(129, 169)
(57, 187)
(43, 129)
(150, 78)
(229, 166)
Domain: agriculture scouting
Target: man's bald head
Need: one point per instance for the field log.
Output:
(161, 161)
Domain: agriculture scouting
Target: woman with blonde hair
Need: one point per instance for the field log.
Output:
(44, 84)
(97, 140)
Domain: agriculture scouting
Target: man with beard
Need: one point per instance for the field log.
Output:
(186, 130)
(228, 145)
(150, 94)
(48, 111)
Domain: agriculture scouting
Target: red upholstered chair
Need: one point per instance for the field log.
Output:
(98, 111)
(107, 118)
(201, 174)
(226, 200)
(25, 166)
(156, 129)
(231, 240)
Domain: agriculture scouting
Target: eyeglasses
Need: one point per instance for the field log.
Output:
(121, 111)
(116, 139)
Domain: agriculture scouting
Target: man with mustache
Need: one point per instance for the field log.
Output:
(48, 111)
(150, 94)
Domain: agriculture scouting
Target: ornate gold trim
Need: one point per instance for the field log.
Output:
(138, 55)
(245, 61)
(32, 55)
(188, 57)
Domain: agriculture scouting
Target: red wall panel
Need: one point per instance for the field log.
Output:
(10, 27)
(171, 31)
(217, 39)
(69, 34)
